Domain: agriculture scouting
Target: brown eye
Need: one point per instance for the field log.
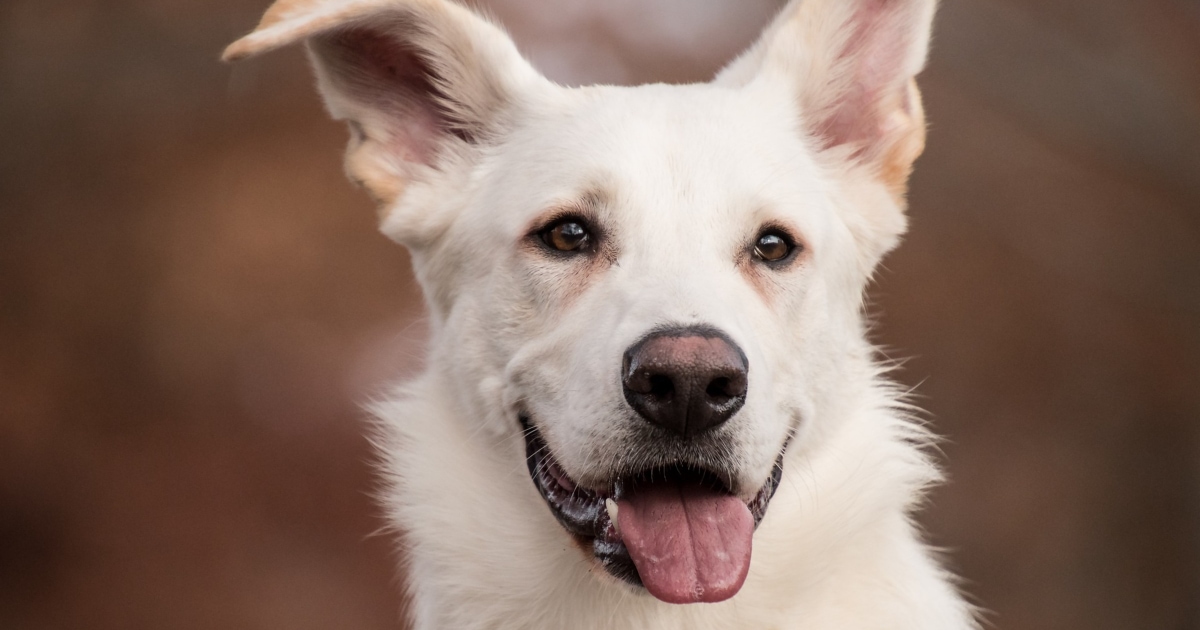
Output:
(773, 247)
(567, 236)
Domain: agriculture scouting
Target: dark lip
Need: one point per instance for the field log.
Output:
(582, 511)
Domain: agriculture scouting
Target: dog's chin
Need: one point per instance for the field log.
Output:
(589, 514)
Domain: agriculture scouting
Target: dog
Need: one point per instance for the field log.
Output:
(649, 400)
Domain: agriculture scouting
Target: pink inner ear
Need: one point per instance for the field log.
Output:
(416, 139)
(385, 59)
(874, 57)
(392, 79)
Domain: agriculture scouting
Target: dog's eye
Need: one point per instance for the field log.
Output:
(773, 247)
(568, 235)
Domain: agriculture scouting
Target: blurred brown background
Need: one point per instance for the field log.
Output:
(193, 302)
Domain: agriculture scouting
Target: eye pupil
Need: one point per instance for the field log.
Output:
(772, 247)
(567, 236)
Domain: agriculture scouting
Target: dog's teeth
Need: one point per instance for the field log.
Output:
(611, 506)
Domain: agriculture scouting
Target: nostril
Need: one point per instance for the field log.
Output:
(726, 387)
(719, 388)
(661, 386)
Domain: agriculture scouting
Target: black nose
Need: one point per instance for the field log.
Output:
(685, 380)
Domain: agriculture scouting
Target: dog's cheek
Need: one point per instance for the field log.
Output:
(485, 314)
(803, 357)
(565, 372)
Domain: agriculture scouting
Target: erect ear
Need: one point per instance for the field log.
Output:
(422, 83)
(852, 65)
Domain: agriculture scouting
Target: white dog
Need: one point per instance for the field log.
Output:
(649, 400)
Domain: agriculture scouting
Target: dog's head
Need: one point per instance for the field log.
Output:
(660, 286)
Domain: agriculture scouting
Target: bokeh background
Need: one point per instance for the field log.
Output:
(193, 302)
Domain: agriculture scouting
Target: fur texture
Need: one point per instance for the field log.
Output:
(471, 153)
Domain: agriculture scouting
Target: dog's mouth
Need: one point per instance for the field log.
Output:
(677, 530)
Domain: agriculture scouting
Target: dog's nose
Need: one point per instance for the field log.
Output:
(687, 380)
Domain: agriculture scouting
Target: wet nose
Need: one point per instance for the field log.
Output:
(686, 380)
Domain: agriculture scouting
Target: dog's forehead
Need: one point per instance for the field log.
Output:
(674, 128)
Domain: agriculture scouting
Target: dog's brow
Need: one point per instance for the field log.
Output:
(587, 203)
(595, 197)
(592, 198)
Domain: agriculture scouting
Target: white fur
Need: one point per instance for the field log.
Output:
(682, 178)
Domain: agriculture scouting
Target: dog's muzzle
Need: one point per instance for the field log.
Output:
(676, 529)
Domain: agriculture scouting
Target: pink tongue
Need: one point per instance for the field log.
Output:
(689, 544)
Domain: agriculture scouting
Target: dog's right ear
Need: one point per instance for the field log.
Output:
(423, 84)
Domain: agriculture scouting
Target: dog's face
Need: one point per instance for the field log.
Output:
(659, 286)
(694, 211)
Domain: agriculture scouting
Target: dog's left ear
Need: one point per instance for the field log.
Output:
(424, 85)
(851, 66)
